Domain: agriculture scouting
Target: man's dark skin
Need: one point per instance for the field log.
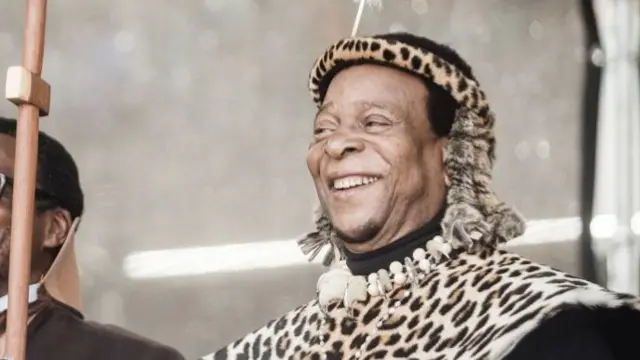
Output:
(374, 122)
(49, 228)
(57, 330)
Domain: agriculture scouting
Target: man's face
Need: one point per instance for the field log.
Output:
(39, 258)
(376, 164)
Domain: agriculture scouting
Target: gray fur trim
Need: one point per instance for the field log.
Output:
(468, 162)
(314, 242)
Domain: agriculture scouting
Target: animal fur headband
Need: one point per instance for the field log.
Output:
(475, 217)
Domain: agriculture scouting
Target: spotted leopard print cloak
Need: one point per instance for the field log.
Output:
(475, 307)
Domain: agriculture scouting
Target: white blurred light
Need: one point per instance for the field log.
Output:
(124, 41)
(635, 223)
(597, 56)
(543, 149)
(213, 259)
(277, 254)
(536, 30)
(603, 226)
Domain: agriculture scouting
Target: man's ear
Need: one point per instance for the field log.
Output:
(56, 228)
(442, 146)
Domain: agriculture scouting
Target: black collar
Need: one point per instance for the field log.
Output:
(367, 263)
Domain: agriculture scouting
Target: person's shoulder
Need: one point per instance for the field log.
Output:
(579, 332)
(64, 330)
(127, 343)
(568, 334)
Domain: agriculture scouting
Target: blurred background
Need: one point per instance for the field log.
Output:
(190, 123)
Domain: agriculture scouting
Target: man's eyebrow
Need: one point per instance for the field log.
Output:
(385, 107)
(376, 105)
(363, 104)
(324, 107)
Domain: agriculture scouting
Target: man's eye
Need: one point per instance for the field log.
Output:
(322, 131)
(376, 123)
(370, 123)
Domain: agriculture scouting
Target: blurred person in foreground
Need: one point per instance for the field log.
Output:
(57, 329)
(401, 159)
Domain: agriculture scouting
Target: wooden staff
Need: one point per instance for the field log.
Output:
(31, 94)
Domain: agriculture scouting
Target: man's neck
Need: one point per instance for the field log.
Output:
(395, 229)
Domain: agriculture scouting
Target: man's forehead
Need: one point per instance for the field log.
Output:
(393, 106)
(373, 86)
(363, 104)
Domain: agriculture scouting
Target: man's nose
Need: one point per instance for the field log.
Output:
(342, 144)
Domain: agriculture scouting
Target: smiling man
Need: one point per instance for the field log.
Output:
(401, 160)
(374, 158)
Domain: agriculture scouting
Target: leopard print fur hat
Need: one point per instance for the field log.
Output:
(473, 207)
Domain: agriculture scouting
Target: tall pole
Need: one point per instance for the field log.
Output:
(31, 94)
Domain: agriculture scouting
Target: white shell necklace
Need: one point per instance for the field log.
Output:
(339, 284)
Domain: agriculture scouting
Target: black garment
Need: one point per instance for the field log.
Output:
(583, 334)
(59, 332)
(367, 263)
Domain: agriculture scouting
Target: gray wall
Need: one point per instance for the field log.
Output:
(190, 122)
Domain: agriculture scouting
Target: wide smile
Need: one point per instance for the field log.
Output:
(351, 183)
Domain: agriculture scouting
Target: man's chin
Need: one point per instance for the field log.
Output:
(359, 235)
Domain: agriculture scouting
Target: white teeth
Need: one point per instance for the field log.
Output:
(352, 181)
